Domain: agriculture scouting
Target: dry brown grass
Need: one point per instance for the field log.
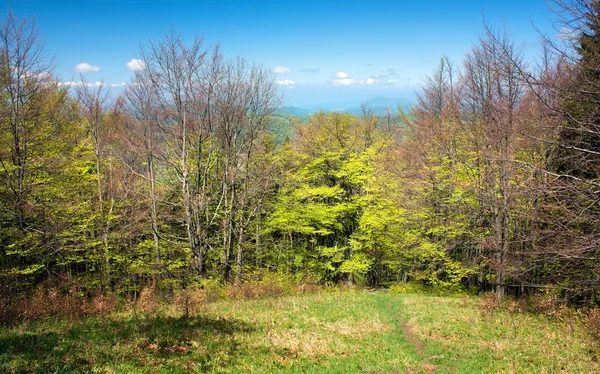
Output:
(256, 290)
(266, 284)
(190, 301)
(65, 300)
(592, 323)
(53, 302)
(323, 339)
(308, 344)
(548, 305)
(357, 329)
(148, 300)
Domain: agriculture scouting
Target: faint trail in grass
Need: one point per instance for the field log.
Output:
(410, 337)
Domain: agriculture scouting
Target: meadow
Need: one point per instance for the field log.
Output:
(321, 332)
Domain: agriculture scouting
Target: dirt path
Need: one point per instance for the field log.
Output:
(412, 339)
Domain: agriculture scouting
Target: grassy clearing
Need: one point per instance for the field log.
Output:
(347, 332)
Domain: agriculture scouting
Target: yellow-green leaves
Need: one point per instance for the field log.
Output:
(325, 196)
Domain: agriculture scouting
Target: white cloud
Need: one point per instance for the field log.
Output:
(84, 67)
(73, 84)
(391, 81)
(285, 82)
(342, 75)
(350, 81)
(566, 33)
(345, 82)
(44, 75)
(136, 64)
(88, 84)
(281, 70)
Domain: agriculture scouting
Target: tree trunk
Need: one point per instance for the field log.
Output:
(239, 255)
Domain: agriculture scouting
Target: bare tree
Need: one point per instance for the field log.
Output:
(568, 86)
(174, 69)
(211, 115)
(246, 98)
(492, 93)
(142, 108)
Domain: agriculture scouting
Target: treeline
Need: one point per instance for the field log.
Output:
(490, 182)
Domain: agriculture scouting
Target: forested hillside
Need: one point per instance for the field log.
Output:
(490, 182)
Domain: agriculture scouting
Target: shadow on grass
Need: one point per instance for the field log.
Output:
(125, 345)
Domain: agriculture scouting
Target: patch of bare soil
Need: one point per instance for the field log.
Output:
(412, 338)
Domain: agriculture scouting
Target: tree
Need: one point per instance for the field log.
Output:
(570, 90)
(94, 100)
(27, 88)
(492, 93)
(321, 203)
(244, 103)
(175, 71)
(212, 115)
(436, 167)
(142, 126)
(485, 169)
(46, 183)
(25, 76)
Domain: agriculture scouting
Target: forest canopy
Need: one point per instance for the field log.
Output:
(490, 182)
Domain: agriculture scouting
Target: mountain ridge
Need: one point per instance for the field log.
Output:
(377, 105)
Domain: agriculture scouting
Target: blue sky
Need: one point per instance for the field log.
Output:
(320, 51)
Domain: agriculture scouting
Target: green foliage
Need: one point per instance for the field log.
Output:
(323, 198)
(59, 215)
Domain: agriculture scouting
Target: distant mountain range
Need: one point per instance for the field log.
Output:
(377, 105)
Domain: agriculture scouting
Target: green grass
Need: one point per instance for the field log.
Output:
(344, 332)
